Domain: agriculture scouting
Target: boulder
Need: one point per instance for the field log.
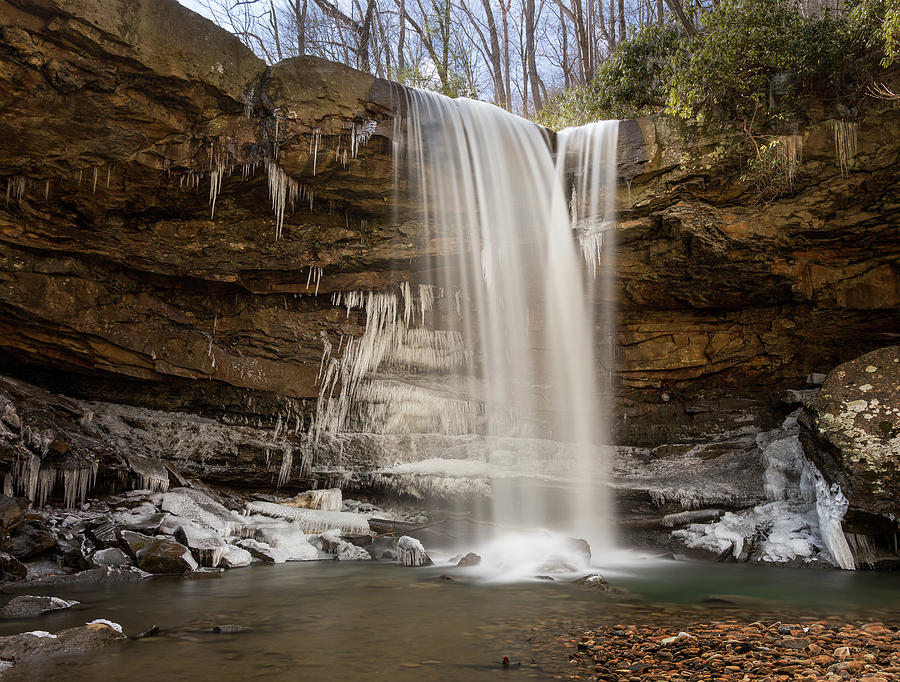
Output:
(236, 557)
(200, 508)
(470, 559)
(852, 431)
(263, 551)
(111, 556)
(134, 542)
(10, 515)
(28, 541)
(105, 532)
(29, 606)
(595, 581)
(165, 556)
(332, 543)
(11, 568)
(205, 544)
(410, 552)
(39, 644)
(580, 547)
(144, 523)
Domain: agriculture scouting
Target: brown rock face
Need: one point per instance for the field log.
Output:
(139, 261)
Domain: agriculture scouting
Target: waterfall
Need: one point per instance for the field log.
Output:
(506, 347)
(490, 189)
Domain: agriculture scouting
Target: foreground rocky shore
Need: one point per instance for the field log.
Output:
(731, 650)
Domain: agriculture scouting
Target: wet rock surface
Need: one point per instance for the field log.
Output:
(38, 644)
(29, 606)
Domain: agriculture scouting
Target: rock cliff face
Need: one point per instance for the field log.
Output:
(140, 261)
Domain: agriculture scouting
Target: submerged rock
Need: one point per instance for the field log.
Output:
(28, 645)
(28, 606)
(410, 552)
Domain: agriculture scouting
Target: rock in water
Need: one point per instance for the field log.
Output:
(470, 559)
(165, 556)
(410, 552)
(28, 606)
(331, 542)
(73, 640)
(329, 499)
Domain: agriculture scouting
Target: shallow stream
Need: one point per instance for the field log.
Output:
(373, 621)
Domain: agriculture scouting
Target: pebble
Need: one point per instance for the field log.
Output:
(737, 651)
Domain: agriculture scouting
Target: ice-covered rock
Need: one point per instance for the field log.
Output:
(144, 523)
(328, 499)
(28, 606)
(332, 543)
(111, 556)
(236, 557)
(205, 544)
(410, 552)
(313, 520)
(263, 551)
(134, 541)
(198, 507)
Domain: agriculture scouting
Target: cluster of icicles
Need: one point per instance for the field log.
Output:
(350, 395)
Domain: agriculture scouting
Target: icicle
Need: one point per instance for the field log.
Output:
(94, 190)
(282, 189)
(846, 134)
(287, 459)
(315, 155)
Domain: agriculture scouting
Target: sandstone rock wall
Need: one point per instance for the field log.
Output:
(118, 282)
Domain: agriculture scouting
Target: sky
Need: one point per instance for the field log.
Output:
(197, 6)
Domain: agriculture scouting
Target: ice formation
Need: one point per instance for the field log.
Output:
(846, 134)
(107, 623)
(312, 520)
(802, 520)
(410, 552)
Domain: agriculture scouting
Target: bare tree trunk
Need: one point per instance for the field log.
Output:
(504, 14)
(678, 9)
(621, 20)
(496, 67)
(660, 12)
(612, 25)
(401, 41)
(273, 21)
(531, 56)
